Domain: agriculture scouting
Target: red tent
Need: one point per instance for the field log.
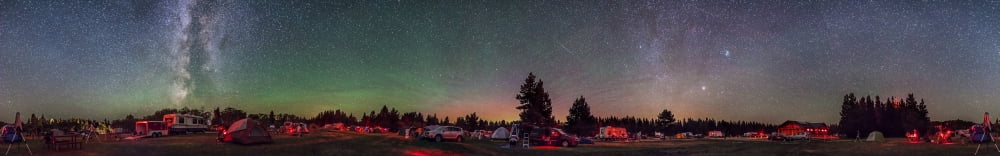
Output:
(247, 131)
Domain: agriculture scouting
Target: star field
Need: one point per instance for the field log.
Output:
(766, 61)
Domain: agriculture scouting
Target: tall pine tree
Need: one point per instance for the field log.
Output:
(535, 105)
(850, 113)
(664, 122)
(580, 121)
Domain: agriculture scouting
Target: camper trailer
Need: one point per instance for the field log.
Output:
(716, 134)
(183, 123)
(612, 133)
(151, 128)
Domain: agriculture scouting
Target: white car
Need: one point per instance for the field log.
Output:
(799, 136)
(442, 133)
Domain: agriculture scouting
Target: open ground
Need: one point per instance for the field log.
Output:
(350, 143)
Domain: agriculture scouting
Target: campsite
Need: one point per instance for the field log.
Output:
(352, 143)
(499, 77)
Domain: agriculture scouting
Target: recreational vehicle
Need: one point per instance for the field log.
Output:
(183, 123)
(612, 133)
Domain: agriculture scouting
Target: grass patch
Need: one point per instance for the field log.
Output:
(349, 143)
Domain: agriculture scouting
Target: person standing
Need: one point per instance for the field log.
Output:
(420, 131)
(299, 130)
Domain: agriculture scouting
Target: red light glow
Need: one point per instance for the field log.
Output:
(428, 153)
(547, 147)
(416, 153)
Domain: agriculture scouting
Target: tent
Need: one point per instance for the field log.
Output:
(334, 127)
(979, 134)
(9, 134)
(247, 131)
(875, 136)
(500, 134)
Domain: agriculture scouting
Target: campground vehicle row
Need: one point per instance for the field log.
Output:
(537, 135)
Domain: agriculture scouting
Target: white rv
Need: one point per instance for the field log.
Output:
(183, 123)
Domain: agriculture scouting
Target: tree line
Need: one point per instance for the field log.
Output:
(392, 119)
(894, 117)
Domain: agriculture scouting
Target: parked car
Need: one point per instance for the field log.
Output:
(699, 136)
(551, 136)
(755, 134)
(799, 136)
(585, 140)
(716, 134)
(443, 133)
(685, 135)
(776, 137)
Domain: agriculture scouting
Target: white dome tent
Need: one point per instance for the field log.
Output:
(500, 134)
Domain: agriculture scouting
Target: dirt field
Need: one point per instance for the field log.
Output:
(340, 143)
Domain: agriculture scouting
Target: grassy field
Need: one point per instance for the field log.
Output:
(341, 143)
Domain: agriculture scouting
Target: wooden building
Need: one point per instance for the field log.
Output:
(794, 127)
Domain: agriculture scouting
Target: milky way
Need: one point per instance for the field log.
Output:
(732, 60)
(199, 36)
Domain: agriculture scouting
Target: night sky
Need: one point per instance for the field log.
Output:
(766, 61)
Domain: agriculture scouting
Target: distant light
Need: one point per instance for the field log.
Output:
(703, 88)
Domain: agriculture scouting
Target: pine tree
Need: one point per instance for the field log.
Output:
(924, 120)
(33, 121)
(217, 117)
(433, 120)
(664, 121)
(849, 112)
(270, 118)
(382, 119)
(470, 122)
(535, 105)
(580, 121)
(460, 122)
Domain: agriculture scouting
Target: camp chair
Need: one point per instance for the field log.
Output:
(12, 136)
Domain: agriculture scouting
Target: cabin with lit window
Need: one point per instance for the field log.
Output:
(794, 127)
